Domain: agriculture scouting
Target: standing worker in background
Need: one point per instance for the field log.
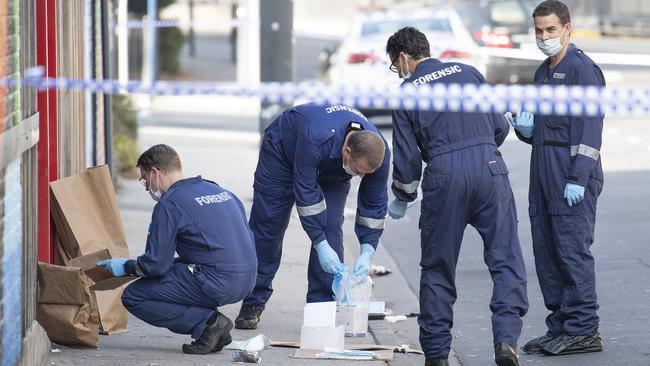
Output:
(566, 178)
(216, 264)
(465, 182)
(308, 156)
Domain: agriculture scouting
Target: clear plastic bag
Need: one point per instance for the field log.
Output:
(352, 297)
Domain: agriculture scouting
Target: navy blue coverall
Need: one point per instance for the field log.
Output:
(566, 150)
(216, 264)
(465, 182)
(300, 161)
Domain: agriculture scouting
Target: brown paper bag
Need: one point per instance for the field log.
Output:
(103, 279)
(66, 307)
(87, 219)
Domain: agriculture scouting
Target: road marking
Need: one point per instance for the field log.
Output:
(198, 133)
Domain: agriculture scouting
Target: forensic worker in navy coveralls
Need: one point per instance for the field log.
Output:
(465, 182)
(216, 264)
(566, 179)
(308, 156)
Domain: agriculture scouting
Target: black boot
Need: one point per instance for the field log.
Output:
(436, 362)
(570, 344)
(215, 336)
(534, 346)
(505, 355)
(248, 317)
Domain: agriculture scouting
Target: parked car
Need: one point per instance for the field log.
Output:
(361, 58)
(499, 26)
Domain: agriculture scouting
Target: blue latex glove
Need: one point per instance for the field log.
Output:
(397, 208)
(524, 122)
(362, 263)
(573, 193)
(328, 259)
(115, 266)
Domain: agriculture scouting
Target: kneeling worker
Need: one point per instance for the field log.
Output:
(216, 264)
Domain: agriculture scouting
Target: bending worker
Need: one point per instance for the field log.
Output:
(216, 265)
(308, 156)
(465, 182)
(566, 178)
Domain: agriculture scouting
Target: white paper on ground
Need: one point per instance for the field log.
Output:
(376, 307)
(395, 318)
(255, 344)
(320, 314)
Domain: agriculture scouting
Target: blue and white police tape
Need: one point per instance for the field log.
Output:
(467, 98)
(143, 24)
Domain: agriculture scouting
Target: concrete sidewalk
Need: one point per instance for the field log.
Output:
(147, 345)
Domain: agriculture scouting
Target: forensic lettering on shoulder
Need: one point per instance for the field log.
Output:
(341, 108)
(213, 198)
(438, 74)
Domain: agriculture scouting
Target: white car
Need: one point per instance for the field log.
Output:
(362, 58)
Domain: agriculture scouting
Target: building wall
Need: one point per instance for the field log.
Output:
(11, 189)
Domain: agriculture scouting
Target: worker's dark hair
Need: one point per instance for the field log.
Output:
(367, 145)
(556, 7)
(410, 41)
(160, 156)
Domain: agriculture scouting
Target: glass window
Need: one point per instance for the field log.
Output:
(390, 26)
(507, 12)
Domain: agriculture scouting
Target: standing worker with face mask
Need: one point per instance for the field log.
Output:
(465, 182)
(566, 179)
(216, 264)
(308, 156)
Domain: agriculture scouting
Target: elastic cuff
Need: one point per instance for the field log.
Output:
(575, 180)
(129, 266)
(319, 239)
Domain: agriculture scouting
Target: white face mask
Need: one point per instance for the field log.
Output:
(155, 195)
(348, 170)
(551, 47)
(404, 73)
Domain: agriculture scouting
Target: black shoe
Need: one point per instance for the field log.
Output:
(570, 344)
(505, 355)
(215, 336)
(222, 343)
(436, 362)
(534, 346)
(248, 317)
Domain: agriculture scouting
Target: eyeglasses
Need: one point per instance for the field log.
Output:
(392, 66)
(143, 179)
